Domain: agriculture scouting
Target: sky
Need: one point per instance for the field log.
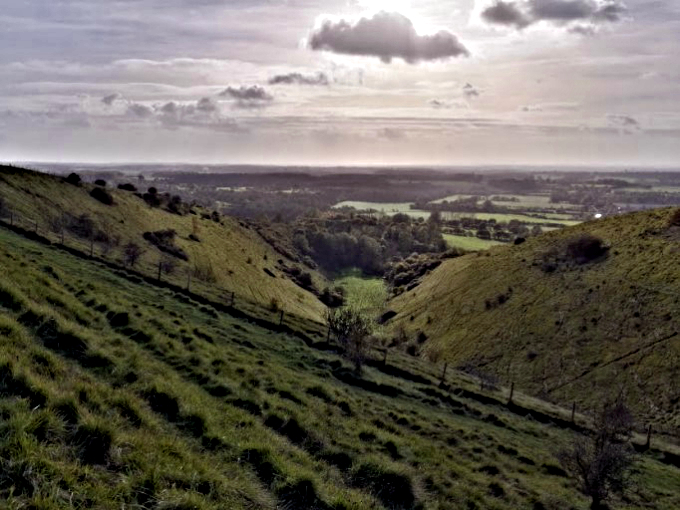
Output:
(341, 82)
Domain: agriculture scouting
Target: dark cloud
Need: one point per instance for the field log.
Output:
(206, 105)
(386, 36)
(110, 99)
(522, 13)
(248, 97)
(561, 10)
(505, 13)
(139, 110)
(299, 79)
(252, 93)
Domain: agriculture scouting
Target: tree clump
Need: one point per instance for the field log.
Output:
(101, 195)
(73, 179)
(585, 248)
(127, 187)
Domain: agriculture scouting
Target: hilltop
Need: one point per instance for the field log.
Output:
(215, 255)
(576, 315)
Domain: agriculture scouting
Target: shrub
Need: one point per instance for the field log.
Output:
(74, 179)
(585, 248)
(100, 182)
(102, 196)
(127, 187)
(332, 298)
(352, 329)
(674, 221)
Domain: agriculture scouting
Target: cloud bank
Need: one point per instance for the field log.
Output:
(386, 36)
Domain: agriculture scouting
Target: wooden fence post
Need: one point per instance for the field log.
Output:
(512, 392)
(160, 268)
(281, 319)
(233, 298)
(385, 357)
(443, 378)
(649, 437)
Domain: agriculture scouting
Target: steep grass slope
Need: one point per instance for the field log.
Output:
(115, 393)
(223, 256)
(566, 329)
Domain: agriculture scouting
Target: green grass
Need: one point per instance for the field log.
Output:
(365, 293)
(389, 209)
(469, 243)
(226, 257)
(115, 393)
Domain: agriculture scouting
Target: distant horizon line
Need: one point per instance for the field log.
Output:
(410, 166)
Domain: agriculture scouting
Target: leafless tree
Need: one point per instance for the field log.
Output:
(131, 254)
(602, 463)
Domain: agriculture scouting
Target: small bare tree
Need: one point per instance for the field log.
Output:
(602, 463)
(131, 254)
(352, 329)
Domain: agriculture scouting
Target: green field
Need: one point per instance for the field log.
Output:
(388, 209)
(365, 293)
(395, 207)
(524, 201)
(404, 208)
(469, 243)
(500, 218)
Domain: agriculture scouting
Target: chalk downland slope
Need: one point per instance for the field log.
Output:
(118, 393)
(562, 316)
(223, 256)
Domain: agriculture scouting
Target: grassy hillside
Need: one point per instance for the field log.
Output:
(223, 257)
(565, 330)
(115, 393)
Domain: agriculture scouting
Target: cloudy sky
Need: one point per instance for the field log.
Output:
(339, 82)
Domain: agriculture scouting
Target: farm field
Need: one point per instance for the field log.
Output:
(469, 243)
(506, 218)
(389, 209)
